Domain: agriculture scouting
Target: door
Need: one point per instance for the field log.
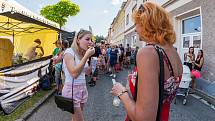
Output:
(191, 40)
(191, 35)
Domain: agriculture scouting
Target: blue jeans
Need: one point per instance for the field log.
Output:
(58, 79)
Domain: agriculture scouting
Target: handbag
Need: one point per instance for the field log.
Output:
(64, 103)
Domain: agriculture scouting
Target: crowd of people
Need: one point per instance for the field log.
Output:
(157, 66)
(87, 58)
(112, 58)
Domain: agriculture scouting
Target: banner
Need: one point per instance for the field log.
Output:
(18, 84)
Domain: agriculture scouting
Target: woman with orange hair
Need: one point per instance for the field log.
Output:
(158, 67)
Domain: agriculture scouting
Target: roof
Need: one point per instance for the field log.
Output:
(14, 17)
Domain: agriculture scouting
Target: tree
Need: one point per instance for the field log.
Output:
(60, 11)
(99, 38)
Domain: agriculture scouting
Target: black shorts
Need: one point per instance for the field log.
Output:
(95, 73)
(121, 58)
(189, 65)
(106, 60)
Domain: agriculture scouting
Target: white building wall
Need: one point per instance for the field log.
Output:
(129, 29)
(128, 12)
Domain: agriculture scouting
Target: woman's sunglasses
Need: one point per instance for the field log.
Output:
(141, 9)
(80, 32)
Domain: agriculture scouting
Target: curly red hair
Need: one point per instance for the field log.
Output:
(156, 24)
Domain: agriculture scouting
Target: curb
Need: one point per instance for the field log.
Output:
(208, 98)
(36, 106)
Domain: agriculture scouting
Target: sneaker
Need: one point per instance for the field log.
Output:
(114, 75)
(111, 75)
(92, 84)
(91, 81)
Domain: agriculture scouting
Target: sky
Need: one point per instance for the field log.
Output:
(98, 14)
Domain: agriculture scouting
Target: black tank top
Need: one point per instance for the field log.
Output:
(198, 62)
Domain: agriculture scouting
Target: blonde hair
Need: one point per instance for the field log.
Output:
(156, 24)
(75, 46)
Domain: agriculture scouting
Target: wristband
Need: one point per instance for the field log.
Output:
(121, 93)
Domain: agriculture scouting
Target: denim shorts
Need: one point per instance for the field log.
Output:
(80, 93)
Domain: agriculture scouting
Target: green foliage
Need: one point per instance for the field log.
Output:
(99, 38)
(60, 11)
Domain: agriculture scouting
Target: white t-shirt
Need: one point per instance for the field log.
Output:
(119, 52)
(68, 78)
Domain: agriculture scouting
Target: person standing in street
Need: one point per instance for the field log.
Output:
(74, 67)
(189, 58)
(154, 26)
(93, 61)
(128, 56)
(113, 60)
(108, 59)
(198, 63)
(57, 49)
(121, 56)
(57, 62)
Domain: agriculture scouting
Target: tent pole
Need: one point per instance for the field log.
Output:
(13, 37)
(14, 42)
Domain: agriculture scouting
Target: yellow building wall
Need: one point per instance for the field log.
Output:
(118, 27)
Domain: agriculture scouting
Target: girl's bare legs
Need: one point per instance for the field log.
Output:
(78, 116)
(82, 107)
(193, 82)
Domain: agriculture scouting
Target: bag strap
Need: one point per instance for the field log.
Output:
(73, 80)
(135, 89)
(167, 61)
(161, 82)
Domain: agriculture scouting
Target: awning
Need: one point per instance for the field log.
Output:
(21, 26)
(15, 19)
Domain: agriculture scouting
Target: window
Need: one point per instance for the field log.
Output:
(127, 19)
(134, 38)
(191, 25)
(197, 41)
(134, 41)
(161, 2)
(186, 42)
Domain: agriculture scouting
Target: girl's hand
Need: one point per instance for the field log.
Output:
(90, 52)
(117, 89)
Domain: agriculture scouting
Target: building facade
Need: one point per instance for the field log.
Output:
(118, 27)
(194, 25)
(108, 38)
(122, 30)
(130, 34)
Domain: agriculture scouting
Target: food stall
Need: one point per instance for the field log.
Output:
(19, 28)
